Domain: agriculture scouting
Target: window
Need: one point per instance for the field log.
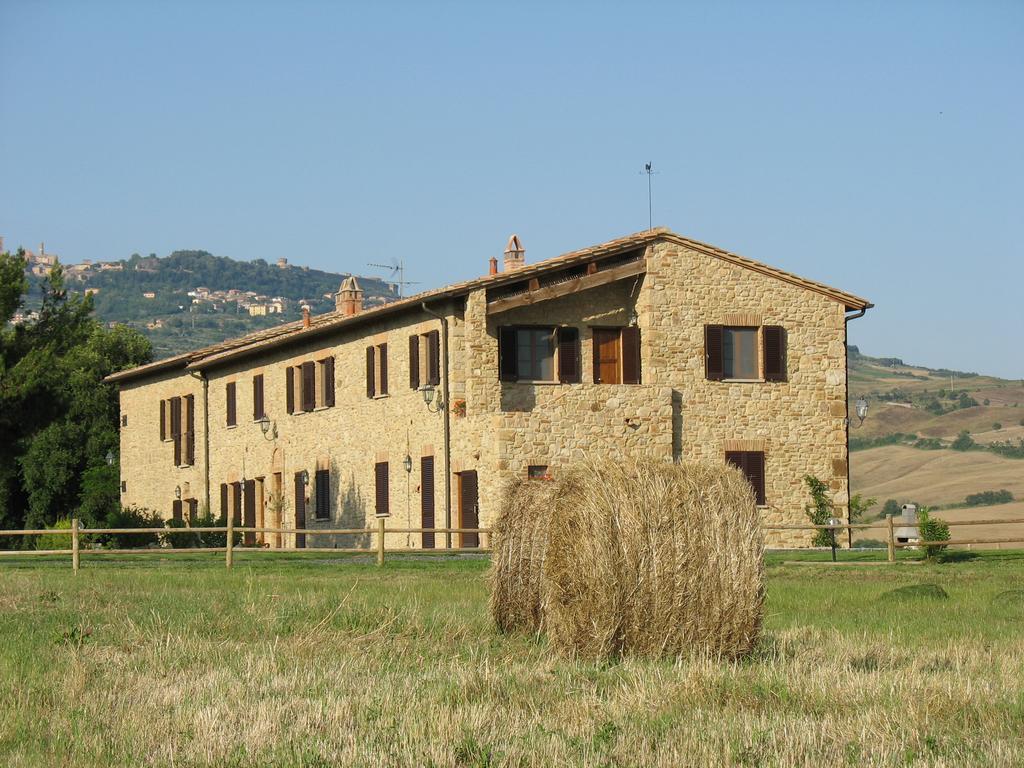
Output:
(383, 506)
(745, 353)
(176, 510)
(303, 381)
(322, 510)
(230, 395)
(325, 375)
(535, 354)
(258, 407)
(425, 368)
(751, 464)
(377, 370)
(545, 353)
(537, 472)
(124, 486)
(124, 420)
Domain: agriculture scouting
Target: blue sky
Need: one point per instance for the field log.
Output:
(878, 147)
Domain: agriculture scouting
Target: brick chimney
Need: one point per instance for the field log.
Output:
(515, 254)
(493, 270)
(349, 298)
(305, 316)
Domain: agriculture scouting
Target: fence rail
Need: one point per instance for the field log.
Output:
(76, 532)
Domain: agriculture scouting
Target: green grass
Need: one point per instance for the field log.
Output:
(307, 660)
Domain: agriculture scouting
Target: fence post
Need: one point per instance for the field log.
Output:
(229, 554)
(74, 544)
(380, 541)
(892, 540)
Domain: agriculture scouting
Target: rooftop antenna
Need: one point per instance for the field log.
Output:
(397, 267)
(649, 170)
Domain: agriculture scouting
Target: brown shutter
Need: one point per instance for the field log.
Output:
(308, 386)
(257, 397)
(223, 503)
(427, 499)
(755, 473)
(190, 431)
(383, 350)
(714, 364)
(329, 382)
(236, 504)
(232, 419)
(507, 368)
(249, 514)
(414, 362)
(381, 489)
(774, 353)
(631, 355)
(289, 386)
(176, 510)
(175, 416)
(300, 511)
(193, 511)
(371, 389)
(569, 355)
(163, 420)
(434, 358)
(323, 494)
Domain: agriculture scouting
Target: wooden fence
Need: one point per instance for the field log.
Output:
(76, 532)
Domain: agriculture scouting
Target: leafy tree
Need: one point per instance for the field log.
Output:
(932, 529)
(859, 507)
(963, 442)
(891, 507)
(819, 510)
(997, 426)
(58, 418)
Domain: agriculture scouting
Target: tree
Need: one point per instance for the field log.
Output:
(58, 418)
(860, 506)
(963, 442)
(891, 507)
(819, 510)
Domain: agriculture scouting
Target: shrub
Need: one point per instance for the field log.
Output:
(932, 529)
(132, 517)
(986, 401)
(1008, 448)
(180, 536)
(819, 510)
(859, 507)
(963, 442)
(891, 507)
(997, 426)
(56, 541)
(870, 544)
(988, 498)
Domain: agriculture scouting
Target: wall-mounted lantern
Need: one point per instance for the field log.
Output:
(177, 492)
(429, 392)
(110, 458)
(268, 428)
(407, 463)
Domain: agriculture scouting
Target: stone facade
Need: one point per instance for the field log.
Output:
(500, 428)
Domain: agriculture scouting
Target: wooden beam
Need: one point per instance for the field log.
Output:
(583, 283)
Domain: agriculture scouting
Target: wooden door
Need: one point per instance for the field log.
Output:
(607, 365)
(300, 511)
(469, 516)
(276, 505)
(249, 516)
(427, 499)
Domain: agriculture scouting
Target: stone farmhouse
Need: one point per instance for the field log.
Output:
(653, 344)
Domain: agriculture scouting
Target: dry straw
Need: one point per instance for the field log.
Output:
(637, 558)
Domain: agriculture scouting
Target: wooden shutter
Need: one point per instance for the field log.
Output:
(323, 494)
(193, 511)
(434, 358)
(257, 397)
(223, 503)
(236, 503)
(163, 420)
(329, 382)
(300, 511)
(751, 463)
(176, 510)
(414, 362)
(507, 367)
(569, 355)
(190, 430)
(631, 355)
(232, 417)
(249, 514)
(427, 499)
(289, 386)
(381, 489)
(714, 363)
(308, 386)
(382, 350)
(774, 353)
(371, 388)
(176, 429)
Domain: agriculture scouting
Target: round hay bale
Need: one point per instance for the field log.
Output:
(519, 545)
(650, 558)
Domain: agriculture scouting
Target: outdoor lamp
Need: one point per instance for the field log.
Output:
(862, 409)
(268, 428)
(407, 463)
(110, 458)
(428, 397)
(177, 492)
(305, 477)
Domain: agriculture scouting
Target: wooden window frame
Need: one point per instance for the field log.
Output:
(745, 461)
(377, 370)
(770, 355)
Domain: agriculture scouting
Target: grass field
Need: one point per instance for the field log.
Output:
(308, 661)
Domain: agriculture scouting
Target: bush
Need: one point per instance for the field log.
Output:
(932, 529)
(963, 442)
(988, 498)
(132, 517)
(859, 506)
(870, 544)
(1008, 448)
(56, 541)
(997, 426)
(819, 510)
(180, 537)
(986, 401)
(891, 507)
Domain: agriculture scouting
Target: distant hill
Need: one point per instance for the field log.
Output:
(192, 298)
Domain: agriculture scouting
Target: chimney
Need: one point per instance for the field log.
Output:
(493, 270)
(515, 254)
(349, 298)
(305, 316)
